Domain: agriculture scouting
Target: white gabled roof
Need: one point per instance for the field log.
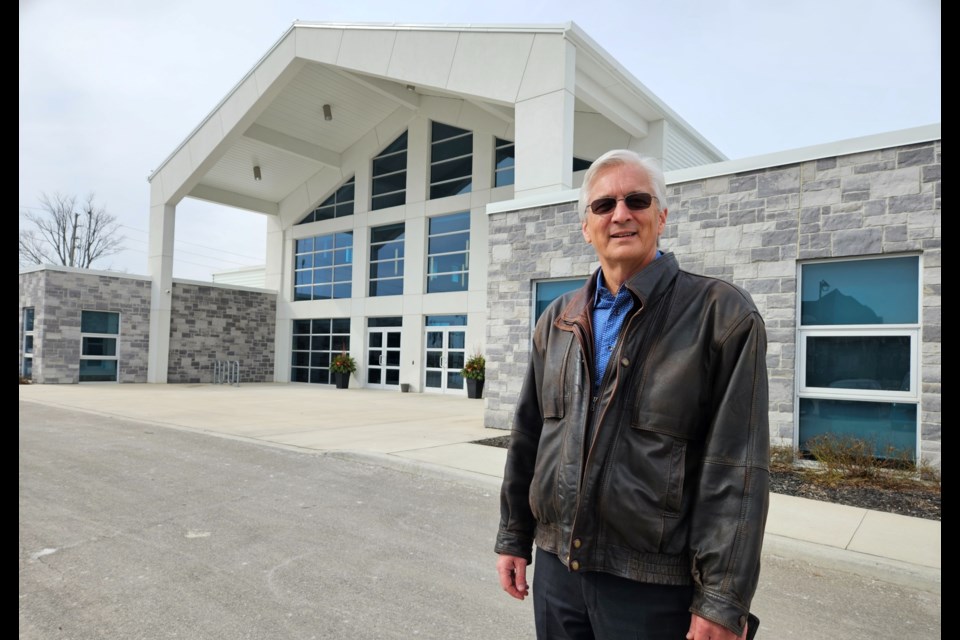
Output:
(375, 77)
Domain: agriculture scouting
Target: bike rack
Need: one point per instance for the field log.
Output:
(226, 372)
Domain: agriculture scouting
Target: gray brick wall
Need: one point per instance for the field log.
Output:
(216, 323)
(207, 324)
(751, 229)
(59, 297)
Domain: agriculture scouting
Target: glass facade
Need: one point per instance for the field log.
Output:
(323, 267)
(858, 352)
(451, 161)
(315, 342)
(386, 260)
(448, 253)
(98, 346)
(338, 205)
(390, 175)
(504, 163)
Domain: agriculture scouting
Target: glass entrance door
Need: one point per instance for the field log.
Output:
(445, 355)
(383, 353)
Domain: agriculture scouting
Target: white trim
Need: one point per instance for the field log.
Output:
(849, 146)
(873, 142)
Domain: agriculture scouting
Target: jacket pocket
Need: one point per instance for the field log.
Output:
(652, 466)
(545, 485)
(555, 391)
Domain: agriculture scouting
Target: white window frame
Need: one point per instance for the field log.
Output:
(333, 204)
(502, 143)
(849, 331)
(466, 133)
(374, 175)
(465, 271)
(110, 336)
(28, 334)
(313, 268)
(913, 330)
(332, 350)
(399, 260)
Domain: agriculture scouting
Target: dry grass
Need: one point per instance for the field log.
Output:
(832, 461)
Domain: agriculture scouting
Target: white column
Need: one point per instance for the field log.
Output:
(544, 122)
(160, 265)
(275, 280)
(544, 145)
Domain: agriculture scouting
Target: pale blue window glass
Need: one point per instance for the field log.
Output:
(882, 291)
(891, 427)
(448, 253)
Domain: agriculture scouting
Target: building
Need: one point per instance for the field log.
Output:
(419, 185)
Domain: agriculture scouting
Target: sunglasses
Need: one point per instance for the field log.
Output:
(634, 201)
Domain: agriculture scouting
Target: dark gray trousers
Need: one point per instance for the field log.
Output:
(568, 605)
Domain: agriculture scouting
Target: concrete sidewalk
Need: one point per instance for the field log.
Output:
(435, 432)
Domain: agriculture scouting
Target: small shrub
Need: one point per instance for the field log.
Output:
(850, 460)
(782, 457)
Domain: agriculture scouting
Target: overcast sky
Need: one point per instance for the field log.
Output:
(109, 89)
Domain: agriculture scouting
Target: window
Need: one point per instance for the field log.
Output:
(315, 342)
(549, 290)
(858, 348)
(338, 205)
(579, 164)
(448, 253)
(386, 260)
(390, 175)
(323, 267)
(451, 161)
(98, 346)
(504, 163)
(26, 369)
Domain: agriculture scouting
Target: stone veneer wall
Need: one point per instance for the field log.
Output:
(749, 228)
(58, 297)
(218, 323)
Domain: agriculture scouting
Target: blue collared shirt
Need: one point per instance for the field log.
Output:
(609, 312)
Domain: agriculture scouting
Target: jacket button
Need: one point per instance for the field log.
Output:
(577, 543)
(742, 620)
(575, 565)
(625, 362)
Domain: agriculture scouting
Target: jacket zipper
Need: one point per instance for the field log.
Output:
(594, 421)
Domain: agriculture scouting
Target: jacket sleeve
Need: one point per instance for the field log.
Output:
(517, 523)
(733, 491)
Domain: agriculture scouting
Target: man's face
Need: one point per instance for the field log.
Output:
(625, 240)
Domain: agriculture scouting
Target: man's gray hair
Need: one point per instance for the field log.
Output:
(619, 157)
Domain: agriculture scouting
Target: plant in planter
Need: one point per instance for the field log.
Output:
(342, 366)
(474, 371)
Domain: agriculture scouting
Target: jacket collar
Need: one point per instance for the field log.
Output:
(647, 286)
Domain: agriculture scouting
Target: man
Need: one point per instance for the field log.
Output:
(639, 450)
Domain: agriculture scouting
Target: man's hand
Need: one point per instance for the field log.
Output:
(703, 629)
(512, 572)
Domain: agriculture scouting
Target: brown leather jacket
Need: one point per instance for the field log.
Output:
(672, 486)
